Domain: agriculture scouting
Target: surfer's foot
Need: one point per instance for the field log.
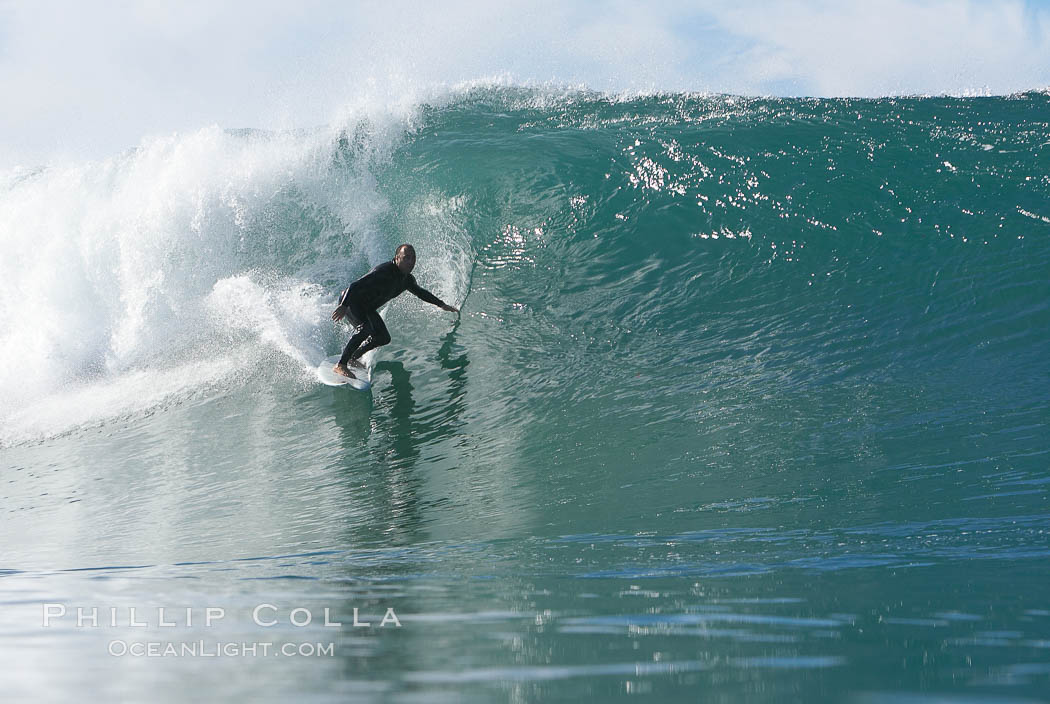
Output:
(341, 370)
(356, 363)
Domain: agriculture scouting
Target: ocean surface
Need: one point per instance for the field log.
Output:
(748, 400)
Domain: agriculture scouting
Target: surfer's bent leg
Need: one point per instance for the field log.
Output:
(362, 319)
(379, 336)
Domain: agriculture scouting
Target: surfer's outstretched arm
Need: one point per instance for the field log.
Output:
(427, 296)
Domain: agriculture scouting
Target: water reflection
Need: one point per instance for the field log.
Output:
(453, 359)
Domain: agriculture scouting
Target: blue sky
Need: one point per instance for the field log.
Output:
(90, 79)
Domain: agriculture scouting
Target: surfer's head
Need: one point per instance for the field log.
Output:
(405, 258)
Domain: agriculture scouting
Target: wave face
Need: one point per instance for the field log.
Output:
(715, 247)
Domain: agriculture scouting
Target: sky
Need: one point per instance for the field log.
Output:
(87, 80)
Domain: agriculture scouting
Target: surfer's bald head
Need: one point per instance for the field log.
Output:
(405, 258)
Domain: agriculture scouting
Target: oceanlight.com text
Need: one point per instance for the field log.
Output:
(217, 649)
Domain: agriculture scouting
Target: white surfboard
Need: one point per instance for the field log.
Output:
(362, 382)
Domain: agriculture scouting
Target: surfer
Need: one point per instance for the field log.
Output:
(360, 304)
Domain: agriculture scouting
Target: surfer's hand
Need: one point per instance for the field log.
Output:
(339, 313)
(450, 309)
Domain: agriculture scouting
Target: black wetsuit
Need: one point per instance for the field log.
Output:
(362, 300)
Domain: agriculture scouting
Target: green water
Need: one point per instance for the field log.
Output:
(747, 401)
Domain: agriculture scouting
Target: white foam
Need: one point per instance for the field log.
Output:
(164, 257)
(76, 405)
